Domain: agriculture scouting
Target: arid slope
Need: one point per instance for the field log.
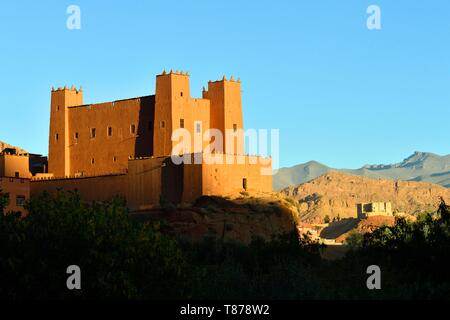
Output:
(336, 194)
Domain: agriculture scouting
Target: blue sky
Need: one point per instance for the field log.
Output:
(339, 93)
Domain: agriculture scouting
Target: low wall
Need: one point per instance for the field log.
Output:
(148, 179)
(16, 187)
(141, 186)
(222, 179)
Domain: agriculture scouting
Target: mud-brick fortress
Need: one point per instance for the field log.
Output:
(123, 148)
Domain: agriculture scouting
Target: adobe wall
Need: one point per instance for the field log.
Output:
(372, 209)
(106, 153)
(10, 164)
(174, 103)
(142, 186)
(222, 179)
(15, 187)
(99, 188)
(58, 149)
(192, 182)
(192, 112)
(226, 110)
(148, 179)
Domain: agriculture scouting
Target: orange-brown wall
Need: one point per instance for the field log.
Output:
(173, 103)
(85, 155)
(192, 182)
(223, 179)
(148, 179)
(12, 164)
(106, 154)
(226, 110)
(58, 153)
(141, 187)
(15, 187)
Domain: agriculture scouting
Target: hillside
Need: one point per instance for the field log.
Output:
(420, 166)
(337, 193)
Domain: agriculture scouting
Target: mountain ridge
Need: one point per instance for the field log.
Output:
(419, 166)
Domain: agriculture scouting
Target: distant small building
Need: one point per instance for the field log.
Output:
(15, 179)
(371, 209)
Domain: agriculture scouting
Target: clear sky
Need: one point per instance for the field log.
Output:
(339, 93)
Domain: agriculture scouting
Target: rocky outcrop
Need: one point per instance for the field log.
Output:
(240, 219)
(336, 194)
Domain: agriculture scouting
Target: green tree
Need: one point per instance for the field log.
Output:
(354, 239)
(119, 257)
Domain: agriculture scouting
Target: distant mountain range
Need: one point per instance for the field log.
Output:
(420, 166)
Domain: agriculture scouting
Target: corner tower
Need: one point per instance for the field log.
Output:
(226, 110)
(59, 148)
(172, 97)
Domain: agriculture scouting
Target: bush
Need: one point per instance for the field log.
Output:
(354, 239)
(119, 258)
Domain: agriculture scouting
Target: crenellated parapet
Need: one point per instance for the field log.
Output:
(73, 89)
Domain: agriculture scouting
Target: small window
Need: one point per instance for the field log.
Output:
(162, 124)
(20, 201)
(114, 159)
(198, 127)
(110, 131)
(76, 135)
(92, 161)
(93, 133)
(56, 137)
(234, 127)
(181, 123)
(181, 93)
(17, 174)
(244, 183)
(133, 129)
(57, 108)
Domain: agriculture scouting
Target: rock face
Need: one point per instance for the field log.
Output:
(237, 220)
(336, 194)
